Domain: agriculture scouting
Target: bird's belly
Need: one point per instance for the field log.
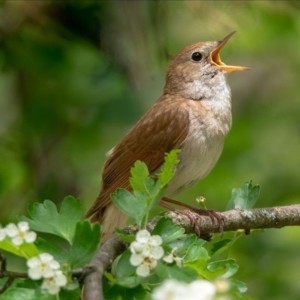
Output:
(198, 156)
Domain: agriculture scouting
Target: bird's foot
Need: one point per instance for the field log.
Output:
(193, 214)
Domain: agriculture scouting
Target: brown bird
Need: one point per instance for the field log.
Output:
(193, 114)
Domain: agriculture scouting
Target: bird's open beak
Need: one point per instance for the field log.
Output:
(215, 58)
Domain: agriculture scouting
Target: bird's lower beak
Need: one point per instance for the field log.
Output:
(215, 58)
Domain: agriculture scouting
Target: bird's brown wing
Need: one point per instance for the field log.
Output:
(163, 128)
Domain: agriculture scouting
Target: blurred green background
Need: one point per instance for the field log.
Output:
(76, 75)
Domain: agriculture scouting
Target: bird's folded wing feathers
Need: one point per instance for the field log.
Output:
(161, 129)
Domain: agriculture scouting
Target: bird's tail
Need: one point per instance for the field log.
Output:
(110, 218)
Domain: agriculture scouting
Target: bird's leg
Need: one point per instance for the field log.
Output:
(214, 216)
(166, 206)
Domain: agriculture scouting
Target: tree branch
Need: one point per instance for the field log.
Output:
(247, 219)
(93, 288)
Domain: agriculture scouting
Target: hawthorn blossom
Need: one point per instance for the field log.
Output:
(171, 289)
(146, 251)
(204, 289)
(20, 233)
(45, 267)
(42, 266)
(54, 283)
(172, 257)
(175, 290)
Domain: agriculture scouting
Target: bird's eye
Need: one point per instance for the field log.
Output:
(196, 56)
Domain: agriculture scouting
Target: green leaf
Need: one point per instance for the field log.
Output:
(124, 236)
(44, 217)
(168, 230)
(221, 248)
(244, 197)
(223, 268)
(117, 292)
(25, 250)
(197, 252)
(85, 243)
(239, 285)
(139, 173)
(122, 267)
(185, 274)
(184, 243)
(54, 247)
(134, 206)
(129, 281)
(168, 168)
(25, 290)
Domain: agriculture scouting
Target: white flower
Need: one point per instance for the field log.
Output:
(45, 266)
(205, 290)
(170, 290)
(146, 266)
(42, 266)
(143, 236)
(176, 290)
(20, 233)
(2, 233)
(146, 250)
(54, 283)
(172, 257)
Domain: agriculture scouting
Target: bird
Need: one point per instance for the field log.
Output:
(193, 115)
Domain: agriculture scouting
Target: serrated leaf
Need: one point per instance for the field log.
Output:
(168, 230)
(85, 243)
(223, 268)
(168, 168)
(244, 197)
(134, 206)
(44, 217)
(139, 173)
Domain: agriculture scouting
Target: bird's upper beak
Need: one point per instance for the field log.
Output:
(216, 60)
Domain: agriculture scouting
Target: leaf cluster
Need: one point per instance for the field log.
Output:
(61, 233)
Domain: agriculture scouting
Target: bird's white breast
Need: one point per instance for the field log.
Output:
(210, 121)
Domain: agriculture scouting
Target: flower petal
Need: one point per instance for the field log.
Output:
(143, 236)
(157, 252)
(30, 237)
(143, 270)
(136, 259)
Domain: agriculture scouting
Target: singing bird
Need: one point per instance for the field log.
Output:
(193, 114)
